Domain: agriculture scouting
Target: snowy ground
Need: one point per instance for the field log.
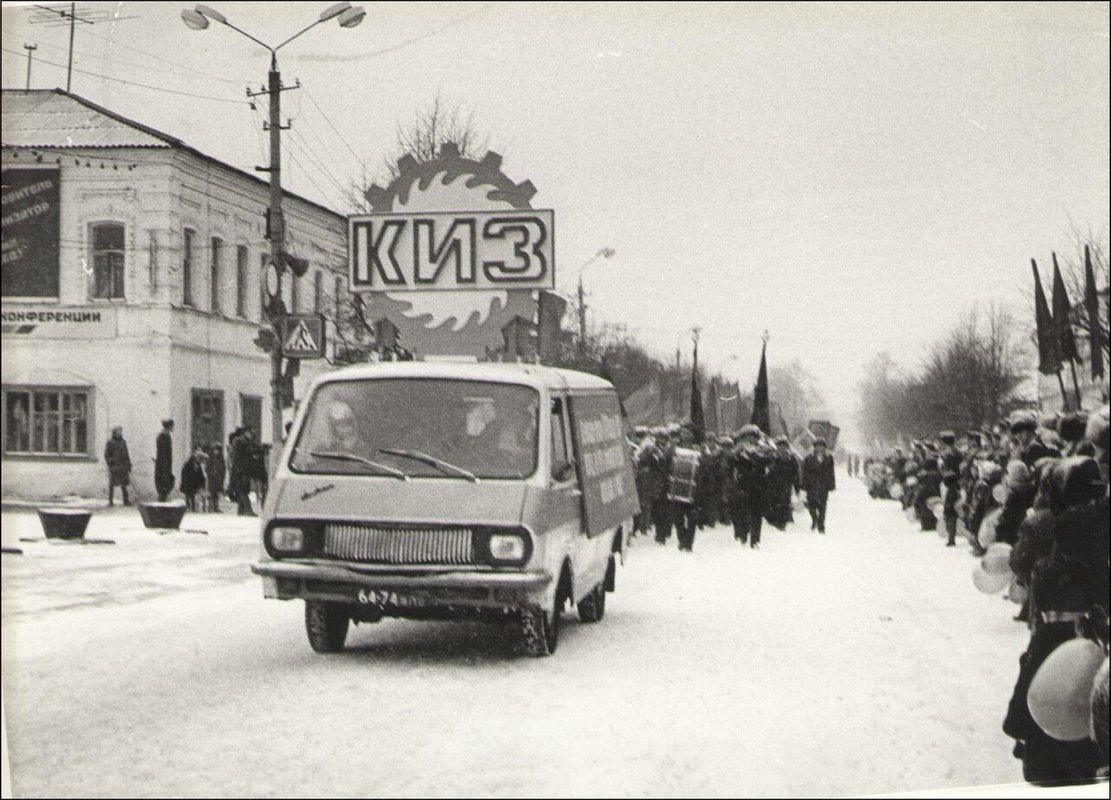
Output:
(863, 661)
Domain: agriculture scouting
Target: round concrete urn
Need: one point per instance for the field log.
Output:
(162, 515)
(64, 523)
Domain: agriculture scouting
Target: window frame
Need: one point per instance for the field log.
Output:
(242, 255)
(215, 267)
(188, 240)
(64, 395)
(95, 253)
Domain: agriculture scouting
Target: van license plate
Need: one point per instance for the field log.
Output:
(380, 598)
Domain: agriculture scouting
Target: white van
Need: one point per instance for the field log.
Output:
(496, 492)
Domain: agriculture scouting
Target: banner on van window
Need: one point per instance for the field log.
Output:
(605, 472)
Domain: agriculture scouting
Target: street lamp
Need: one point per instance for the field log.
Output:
(605, 252)
(198, 18)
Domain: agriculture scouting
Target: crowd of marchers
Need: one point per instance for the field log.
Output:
(744, 480)
(1030, 497)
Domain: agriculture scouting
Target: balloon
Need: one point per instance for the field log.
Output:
(911, 514)
(934, 502)
(997, 560)
(999, 493)
(1060, 694)
(896, 491)
(912, 481)
(987, 532)
(1017, 593)
(989, 584)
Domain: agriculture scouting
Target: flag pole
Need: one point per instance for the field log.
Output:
(1075, 385)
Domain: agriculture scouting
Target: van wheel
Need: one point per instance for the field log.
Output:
(540, 628)
(326, 625)
(593, 607)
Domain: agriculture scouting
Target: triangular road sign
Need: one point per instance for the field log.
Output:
(304, 336)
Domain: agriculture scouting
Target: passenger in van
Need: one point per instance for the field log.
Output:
(343, 429)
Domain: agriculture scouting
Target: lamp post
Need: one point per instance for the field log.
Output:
(605, 252)
(198, 18)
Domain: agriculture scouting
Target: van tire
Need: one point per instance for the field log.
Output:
(326, 625)
(593, 607)
(540, 628)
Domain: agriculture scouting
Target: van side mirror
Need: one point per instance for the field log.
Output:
(563, 472)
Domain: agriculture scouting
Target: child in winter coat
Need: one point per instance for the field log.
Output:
(1063, 594)
(193, 479)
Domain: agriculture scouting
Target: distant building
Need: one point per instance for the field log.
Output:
(132, 292)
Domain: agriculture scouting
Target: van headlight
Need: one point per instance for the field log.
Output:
(507, 547)
(286, 539)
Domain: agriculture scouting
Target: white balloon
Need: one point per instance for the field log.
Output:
(997, 560)
(1060, 694)
(987, 532)
(989, 584)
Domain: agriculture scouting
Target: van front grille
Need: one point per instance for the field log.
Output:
(403, 546)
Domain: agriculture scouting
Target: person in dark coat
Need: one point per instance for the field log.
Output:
(1028, 446)
(818, 481)
(929, 486)
(243, 460)
(950, 459)
(119, 465)
(164, 461)
(1063, 596)
(216, 471)
(684, 509)
(748, 476)
(193, 479)
(1080, 529)
(784, 478)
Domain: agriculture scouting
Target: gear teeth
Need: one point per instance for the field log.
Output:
(449, 150)
(379, 198)
(526, 190)
(491, 161)
(406, 164)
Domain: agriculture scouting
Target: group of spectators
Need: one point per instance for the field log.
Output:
(742, 480)
(1039, 487)
(205, 476)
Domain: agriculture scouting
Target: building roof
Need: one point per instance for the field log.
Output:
(54, 119)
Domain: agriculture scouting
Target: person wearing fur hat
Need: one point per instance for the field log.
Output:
(1028, 446)
(747, 473)
(949, 460)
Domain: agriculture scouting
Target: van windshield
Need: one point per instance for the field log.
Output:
(420, 427)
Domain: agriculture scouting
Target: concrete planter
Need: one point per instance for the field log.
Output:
(162, 515)
(64, 523)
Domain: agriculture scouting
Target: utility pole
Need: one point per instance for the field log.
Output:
(30, 48)
(276, 227)
(582, 317)
(72, 24)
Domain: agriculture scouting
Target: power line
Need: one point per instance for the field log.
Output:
(312, 100)
(134, 83)
(164, 60)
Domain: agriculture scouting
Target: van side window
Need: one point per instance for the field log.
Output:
(562, 467)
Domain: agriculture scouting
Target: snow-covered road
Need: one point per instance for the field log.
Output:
(861, 661)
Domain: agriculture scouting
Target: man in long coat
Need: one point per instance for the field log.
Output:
(164, 461)
(747, 474)
(818, 481)
(118, 461)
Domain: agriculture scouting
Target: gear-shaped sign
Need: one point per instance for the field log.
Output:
(460, 321)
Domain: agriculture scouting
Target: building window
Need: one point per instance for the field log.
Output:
(214, 278)
(241, 281)
(294, 293)
(108, 261)
(318, 292)
(46, 421)
(187, 267)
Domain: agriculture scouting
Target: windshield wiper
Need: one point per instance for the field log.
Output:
(396, 473)
(432, 461)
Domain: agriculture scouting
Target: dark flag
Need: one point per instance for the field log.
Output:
(761, 411)
(1048, 360)
(713, 421)
(1062, 322)
(1091, 304)
(698, 418)
(549, 320)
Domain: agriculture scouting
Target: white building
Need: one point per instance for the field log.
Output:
(132, 272)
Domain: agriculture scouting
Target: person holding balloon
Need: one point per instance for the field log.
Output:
(1050, 727)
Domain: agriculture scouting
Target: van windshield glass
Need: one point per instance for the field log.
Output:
(422, 427)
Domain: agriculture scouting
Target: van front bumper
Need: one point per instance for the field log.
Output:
(390, 590)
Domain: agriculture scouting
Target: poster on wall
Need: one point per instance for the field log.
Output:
(606, 474)
(30, 231)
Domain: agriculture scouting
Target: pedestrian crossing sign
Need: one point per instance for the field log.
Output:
(303, 336)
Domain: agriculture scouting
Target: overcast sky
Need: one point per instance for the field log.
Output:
(849, 177)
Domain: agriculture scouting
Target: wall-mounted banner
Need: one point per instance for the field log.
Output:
(419, 252)
(605, 472)
(58, 322)
(29, 231)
